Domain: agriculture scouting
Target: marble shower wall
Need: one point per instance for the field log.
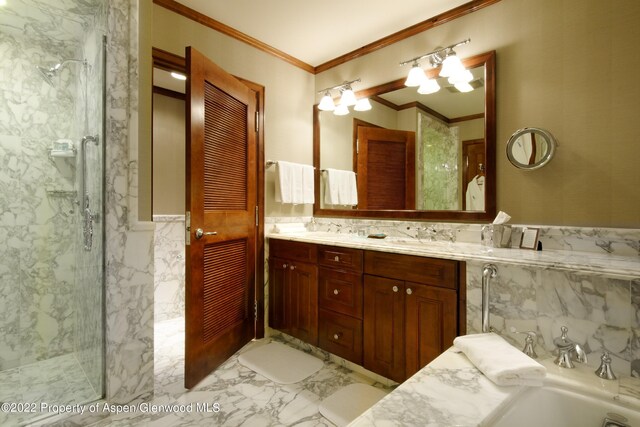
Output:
(37, 220)
(169, 267)
(437, 149)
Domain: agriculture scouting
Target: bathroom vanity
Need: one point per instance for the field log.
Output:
(391, 313)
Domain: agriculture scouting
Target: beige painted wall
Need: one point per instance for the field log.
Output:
(569, 66)
(168, 156)
(289, 92)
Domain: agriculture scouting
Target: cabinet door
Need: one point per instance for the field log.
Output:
(304, 301)
(278, 294)
(431, 315)
(384, 327)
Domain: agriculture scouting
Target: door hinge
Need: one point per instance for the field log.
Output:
(187, 224)
(257, 121)
(257, 222)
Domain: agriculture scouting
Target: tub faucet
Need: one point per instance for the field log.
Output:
(567, 349)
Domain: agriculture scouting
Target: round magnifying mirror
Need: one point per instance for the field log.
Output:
(531, 148)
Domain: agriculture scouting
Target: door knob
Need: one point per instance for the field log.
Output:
(200, 232)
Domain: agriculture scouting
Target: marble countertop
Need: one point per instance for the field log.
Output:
(604, 264)
(451, 391)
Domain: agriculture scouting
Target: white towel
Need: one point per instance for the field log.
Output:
(340, 188)
(501, 362)
(308, 195)
(294, 183)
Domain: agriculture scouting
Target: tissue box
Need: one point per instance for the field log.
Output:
(496, 235)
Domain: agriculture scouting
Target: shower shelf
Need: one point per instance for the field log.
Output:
(62, 153)
(62, 193)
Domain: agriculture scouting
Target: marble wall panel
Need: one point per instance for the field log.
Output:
(169, 267)
(129, 248)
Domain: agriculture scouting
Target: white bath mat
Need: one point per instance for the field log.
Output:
(280, 363)
(348, 403)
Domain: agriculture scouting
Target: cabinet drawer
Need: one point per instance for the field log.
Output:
(336, 257)
(298, 251)
(341, 335)
(429, 271)
(340, 291)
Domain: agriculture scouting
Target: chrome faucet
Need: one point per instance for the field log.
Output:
(567, 349)
(529, 342)
(604, 371)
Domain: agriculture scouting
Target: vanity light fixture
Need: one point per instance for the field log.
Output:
(347, 99)
(451, 67)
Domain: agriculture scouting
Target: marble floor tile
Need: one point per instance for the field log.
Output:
(236, 395)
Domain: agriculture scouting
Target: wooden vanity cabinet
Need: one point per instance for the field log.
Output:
(410, 312)
(391, 313)
(293, 289)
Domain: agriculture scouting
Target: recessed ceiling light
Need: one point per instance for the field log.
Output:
(174, 74)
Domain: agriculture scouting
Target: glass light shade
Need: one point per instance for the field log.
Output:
(363, 105)
(429, 86)
(341, 110)
(463, 87)
(178, 76)
(348, 98)
(464, 77)
(326, 103)
(416, 77)
(451, 65)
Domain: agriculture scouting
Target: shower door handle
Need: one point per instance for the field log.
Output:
(200, 233)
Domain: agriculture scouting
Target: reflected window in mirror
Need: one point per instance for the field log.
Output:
(446, 172)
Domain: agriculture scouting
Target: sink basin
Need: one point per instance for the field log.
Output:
(555, 405)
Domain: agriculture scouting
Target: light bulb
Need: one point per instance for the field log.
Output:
(463, 87)
(341, 110)
(463, 77)
(363, 105)
(178, 76)
(326, 103)
(416, 76)
(451, 65)
(348, 97)
(429, 86)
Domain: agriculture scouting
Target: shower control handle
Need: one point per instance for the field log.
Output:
(200, 233)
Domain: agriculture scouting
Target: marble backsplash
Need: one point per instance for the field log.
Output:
(169, 267)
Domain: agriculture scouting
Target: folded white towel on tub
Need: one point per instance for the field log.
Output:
(502, 363)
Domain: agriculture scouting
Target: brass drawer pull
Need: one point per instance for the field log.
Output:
(409, 291)
(285, 265)
(337, 336)
(395, 289)
(336, 258)
(336, 292)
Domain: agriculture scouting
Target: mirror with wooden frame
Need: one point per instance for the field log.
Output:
(415, 156)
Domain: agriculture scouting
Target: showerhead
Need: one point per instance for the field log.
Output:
(48, 73)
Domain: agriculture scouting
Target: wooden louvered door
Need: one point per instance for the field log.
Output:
(386, 169)
(221, 203)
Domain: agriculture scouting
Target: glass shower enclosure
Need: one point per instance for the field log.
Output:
(52, 145)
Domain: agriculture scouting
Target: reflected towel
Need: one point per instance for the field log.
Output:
(501, 362)
(340, 188)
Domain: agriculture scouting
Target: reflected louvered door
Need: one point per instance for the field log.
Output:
(221, 200)
(386, 169)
